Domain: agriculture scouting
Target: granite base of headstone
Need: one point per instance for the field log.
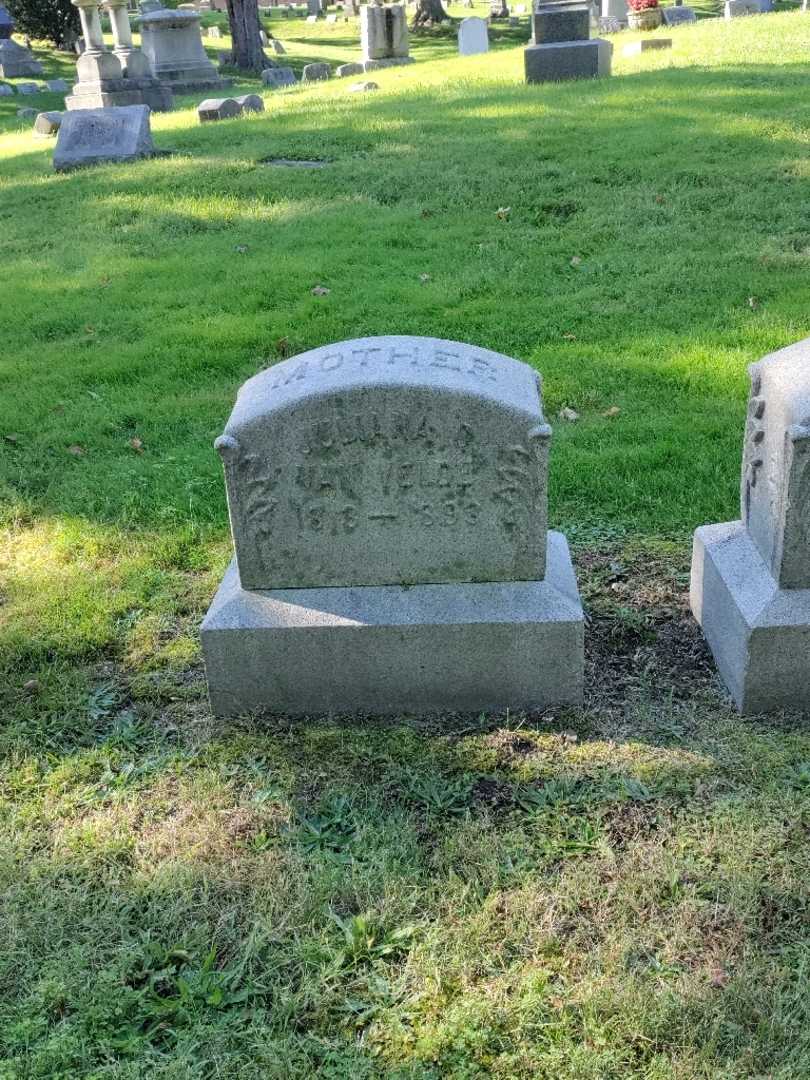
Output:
(172, 42)
(561, 47)
(750, 588)
(94, 136)
(388, 505)
(343, 71)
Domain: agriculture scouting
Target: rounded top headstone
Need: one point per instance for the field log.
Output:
(388, 460)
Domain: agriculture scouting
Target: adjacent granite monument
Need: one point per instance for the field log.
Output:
(120, 77)
(561, 46)
(388, 504)
(383, 36)
(92, 136)
(751, 578)
(172, 43)
(15, 61)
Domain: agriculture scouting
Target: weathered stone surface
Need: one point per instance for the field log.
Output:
(57, 86)
(675, 16)
(27, 114)
(775, 489)
(281, 76)
(386, 62)
(15, 60)
(315, 72)
(345, 70)
(218, 109)
(759, 634)
(90, 136)
(567, 60)
(392, 649)
(473, 36)
(636, 48)
(277, 47)
(251, 103)
(388, 508)
(751, 578)
(564, 22)
(27, 88)
(735, 8)
(172, 43)
(383, 31)
(614, 9)
(6, 90)
(48, 123)
(388, 460)
(361, 87)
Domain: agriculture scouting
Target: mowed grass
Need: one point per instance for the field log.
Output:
(609, 892)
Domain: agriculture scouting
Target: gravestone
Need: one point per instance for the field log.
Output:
(281, 76)
(383, 31)
(561, 46)
(344, 70)
(251, 103)
(6, 90)
(218, 109)
(636, 48)
(613, 10)
(26, 114)
(734, 9)
(27, 88)
(121, 76)
(172, 43)
(473, 36)
(388, 505)
(330, 20)
(277, 47)
(48, 123)
(315, 72)
(750, 587)
(675, 16)
(311, 18)
(92, 136)
(15, 60)
(213, 32)
(57, 86)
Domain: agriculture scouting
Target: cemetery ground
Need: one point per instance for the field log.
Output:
(614, 891)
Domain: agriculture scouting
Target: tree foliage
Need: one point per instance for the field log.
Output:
(47, 20)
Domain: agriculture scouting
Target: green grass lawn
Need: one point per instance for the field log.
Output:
(618, 891)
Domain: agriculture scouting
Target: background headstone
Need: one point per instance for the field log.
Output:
(280, 76)
(48, 123)
(473, 36)
(315, 72)
(92, 136)
(674, 16)
(218, 109)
